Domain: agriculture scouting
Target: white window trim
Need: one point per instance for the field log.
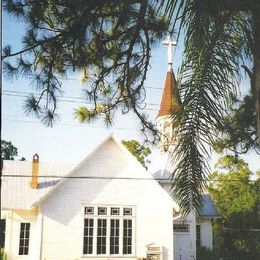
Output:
(121, 218)
(29, 247)
(181, 223)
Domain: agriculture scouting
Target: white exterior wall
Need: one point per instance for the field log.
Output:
(206, 236)
(14, 218)
(184, 243)
(164, 124)
(63, 217)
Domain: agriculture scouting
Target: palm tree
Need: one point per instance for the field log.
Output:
(221, 37)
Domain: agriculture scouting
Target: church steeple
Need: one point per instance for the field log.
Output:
(169, 102)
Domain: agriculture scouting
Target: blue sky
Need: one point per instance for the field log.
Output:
(68, 141)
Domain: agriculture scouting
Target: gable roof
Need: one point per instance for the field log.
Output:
(16, 189)
(17, 177)
(88, 157)
(208, 209)
(169, 103)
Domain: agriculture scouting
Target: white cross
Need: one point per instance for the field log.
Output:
(170, 43)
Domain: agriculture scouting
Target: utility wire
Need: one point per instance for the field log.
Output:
(66, 124)
(78, 80)
(7, 92)
(72, 101)
(241, 229)
(107, 178)
(79, 177)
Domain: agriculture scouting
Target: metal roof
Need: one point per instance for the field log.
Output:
(16, 189)
(208, 209)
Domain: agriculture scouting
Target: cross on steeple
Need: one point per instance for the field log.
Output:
(170, 44)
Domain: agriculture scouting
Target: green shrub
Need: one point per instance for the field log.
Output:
(2, 254)
(204, 253)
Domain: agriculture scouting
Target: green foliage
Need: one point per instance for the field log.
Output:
(238, 132)
(2, 254)
(108, 42)
(206, 254)
(237, 199)
(139, 151)
(8, 151)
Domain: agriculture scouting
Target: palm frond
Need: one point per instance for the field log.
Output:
(208, 77)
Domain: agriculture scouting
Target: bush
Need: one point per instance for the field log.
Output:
(2, 254)
(204, 253)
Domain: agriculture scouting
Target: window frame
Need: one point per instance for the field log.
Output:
(198, 236)
(185, 224)
(126, 230)
(109, 217)
(24, 238)
(2, 232)
(88, 236)
(114, 236)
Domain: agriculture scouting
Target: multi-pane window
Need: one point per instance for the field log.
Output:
(114, 236)
(115, 211)
(178, 227)
(102, 211)
(127, 236)
(108, 230)
(24, 239)
(89, 210)
(101, 236)
(2, 233)
(198, 236)
(127, 212)
(88, 236)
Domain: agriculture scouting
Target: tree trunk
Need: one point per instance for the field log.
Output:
(256, 69)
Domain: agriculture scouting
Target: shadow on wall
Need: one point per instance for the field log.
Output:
(69, 199)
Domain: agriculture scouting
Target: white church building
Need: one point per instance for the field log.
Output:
(107, 207)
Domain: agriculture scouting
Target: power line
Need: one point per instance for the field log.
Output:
(10, 92)
(80, 177)
(73, 79)
(241, 229)
(59, 96)
(73, 99)
(66, 124)
(103, 178)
